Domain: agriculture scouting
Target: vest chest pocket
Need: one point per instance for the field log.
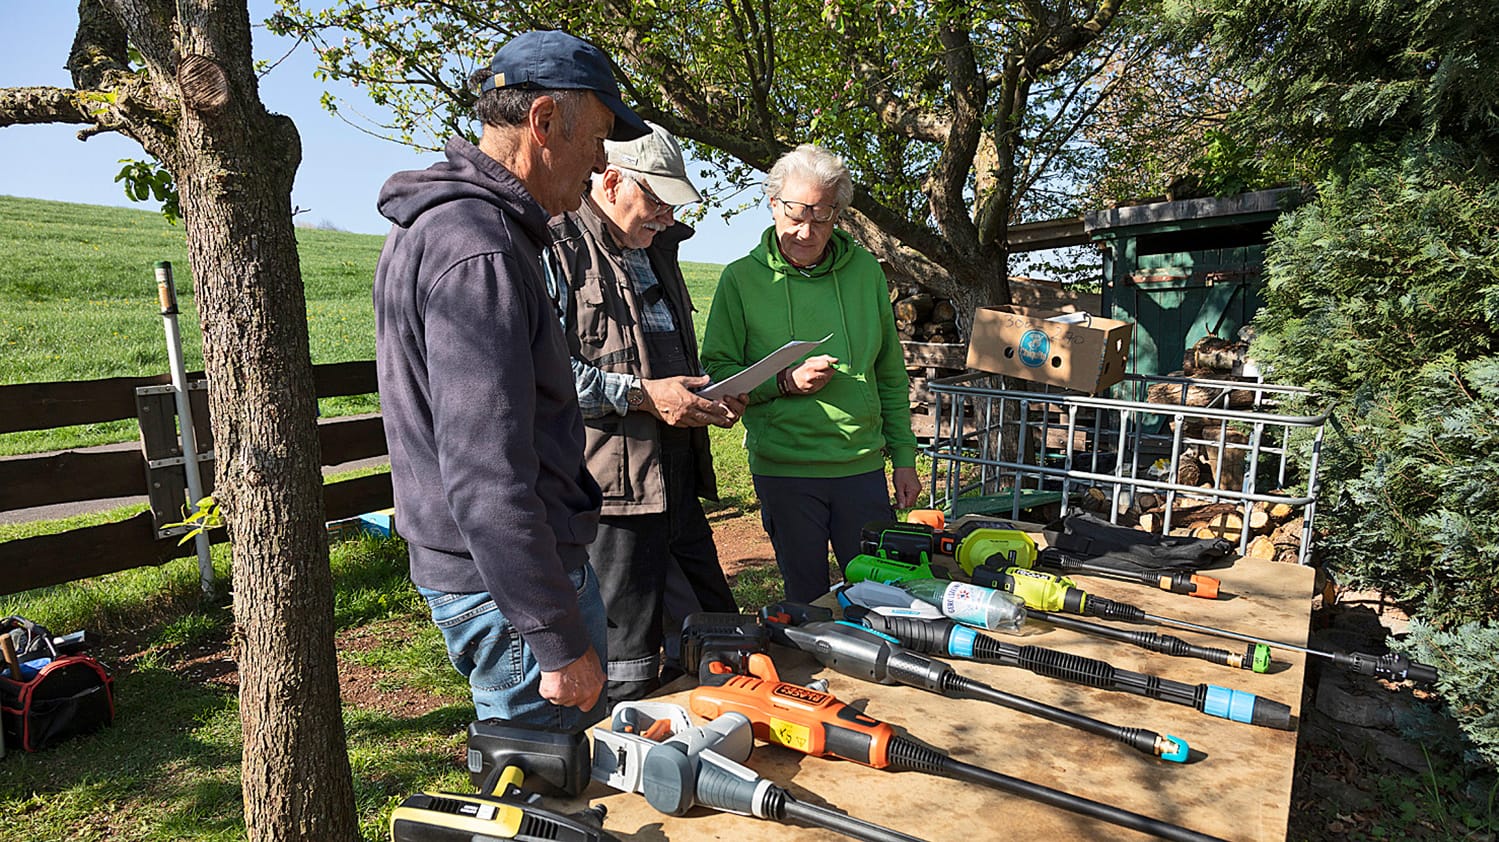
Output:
(605, 324)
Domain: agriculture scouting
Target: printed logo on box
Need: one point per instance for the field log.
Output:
(1035, 347)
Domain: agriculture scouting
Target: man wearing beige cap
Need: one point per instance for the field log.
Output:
(635, 366)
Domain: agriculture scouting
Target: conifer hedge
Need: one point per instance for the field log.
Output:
(1383, 295)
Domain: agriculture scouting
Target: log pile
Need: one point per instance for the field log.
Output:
(923, 317)
(926, 361)
(928, 328)
(1210, 358)
(1274, 530)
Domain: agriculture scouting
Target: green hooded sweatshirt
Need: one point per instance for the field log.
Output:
(864, 411)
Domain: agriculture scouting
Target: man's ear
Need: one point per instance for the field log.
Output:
(612, 180)
(544, 119)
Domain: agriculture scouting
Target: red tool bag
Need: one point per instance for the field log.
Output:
(57, 696)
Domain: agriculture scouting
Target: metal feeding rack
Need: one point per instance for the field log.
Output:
(1178, 443)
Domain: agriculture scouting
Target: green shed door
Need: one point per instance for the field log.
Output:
(1177, 297)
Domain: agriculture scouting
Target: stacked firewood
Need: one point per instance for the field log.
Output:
(1275, 530)
(1210, 358)
(1215, 357)
(923, 317)
(928, 330)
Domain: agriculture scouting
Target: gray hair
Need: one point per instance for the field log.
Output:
(812, 163)
(509, 107)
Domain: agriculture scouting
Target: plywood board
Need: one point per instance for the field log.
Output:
(1237, 786)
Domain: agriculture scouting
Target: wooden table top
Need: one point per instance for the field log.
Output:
(1237, 785)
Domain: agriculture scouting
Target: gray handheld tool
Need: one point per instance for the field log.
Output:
(695, 766)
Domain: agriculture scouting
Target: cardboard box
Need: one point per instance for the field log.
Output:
(1086, 354)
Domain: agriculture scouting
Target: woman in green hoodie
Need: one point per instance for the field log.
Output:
(819, 432)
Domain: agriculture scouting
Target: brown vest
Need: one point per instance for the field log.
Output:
(624, 452)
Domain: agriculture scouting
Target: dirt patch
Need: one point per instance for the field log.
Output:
(741, 540)
(208, 663)
(371, 688)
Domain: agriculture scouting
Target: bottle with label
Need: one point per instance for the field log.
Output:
(974, 605)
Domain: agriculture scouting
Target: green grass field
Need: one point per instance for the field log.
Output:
(78, 302)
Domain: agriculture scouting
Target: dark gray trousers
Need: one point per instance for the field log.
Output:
(802, 515)
(653, 571)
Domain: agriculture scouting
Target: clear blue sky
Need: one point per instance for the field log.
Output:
(342, 167)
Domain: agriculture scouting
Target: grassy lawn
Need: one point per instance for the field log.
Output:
(78, 302)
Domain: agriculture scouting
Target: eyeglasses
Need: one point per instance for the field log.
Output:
(798, 211)
(661, 207)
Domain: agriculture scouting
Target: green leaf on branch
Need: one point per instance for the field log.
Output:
(205, 515)
(151, 180)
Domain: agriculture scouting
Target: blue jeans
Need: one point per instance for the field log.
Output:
(503, 676)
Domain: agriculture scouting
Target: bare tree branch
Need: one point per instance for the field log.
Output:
(34, 106)
(947, 182)
(898, 115)
(153, 24)
(99, 46)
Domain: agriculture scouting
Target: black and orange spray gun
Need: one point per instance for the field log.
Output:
(818, 724)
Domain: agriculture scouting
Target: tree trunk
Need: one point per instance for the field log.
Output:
(234, 165)
(191, 101)
(250, 300)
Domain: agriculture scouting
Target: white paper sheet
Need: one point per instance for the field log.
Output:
(761, 371)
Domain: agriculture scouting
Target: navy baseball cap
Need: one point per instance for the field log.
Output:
(551, 58)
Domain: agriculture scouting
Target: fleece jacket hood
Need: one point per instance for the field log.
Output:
(467, 173)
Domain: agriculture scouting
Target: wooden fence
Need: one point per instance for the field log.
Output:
(73, 476)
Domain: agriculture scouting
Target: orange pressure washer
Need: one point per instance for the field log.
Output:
(818, 724)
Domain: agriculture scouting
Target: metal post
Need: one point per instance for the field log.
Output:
(167, 292)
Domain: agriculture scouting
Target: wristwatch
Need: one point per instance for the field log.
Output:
(635, 396)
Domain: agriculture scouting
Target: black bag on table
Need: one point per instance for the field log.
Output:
(1092, 538)
(58, 696)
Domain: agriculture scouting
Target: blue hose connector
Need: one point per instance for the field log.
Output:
(1245, 707)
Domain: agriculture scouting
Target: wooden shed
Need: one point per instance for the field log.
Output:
(1182, 270)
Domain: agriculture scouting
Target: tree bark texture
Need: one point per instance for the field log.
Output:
(235, 166)
(196, 108)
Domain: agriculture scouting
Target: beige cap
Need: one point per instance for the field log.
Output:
(657, 160)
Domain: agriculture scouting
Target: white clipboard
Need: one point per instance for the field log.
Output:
(761, 371)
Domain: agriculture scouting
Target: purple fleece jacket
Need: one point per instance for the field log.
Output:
(486, 441)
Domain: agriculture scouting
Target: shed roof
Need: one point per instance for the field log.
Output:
(1206, 212)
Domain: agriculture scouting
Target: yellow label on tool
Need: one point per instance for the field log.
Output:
(790, 734)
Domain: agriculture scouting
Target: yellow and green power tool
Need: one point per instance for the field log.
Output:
(976, 542)
(998, 544)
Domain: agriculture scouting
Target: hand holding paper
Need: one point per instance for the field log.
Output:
(744, 381)
(674, 401)
(811, 375)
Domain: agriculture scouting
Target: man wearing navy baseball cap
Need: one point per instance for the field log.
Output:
(486, 439)
(553, 59)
